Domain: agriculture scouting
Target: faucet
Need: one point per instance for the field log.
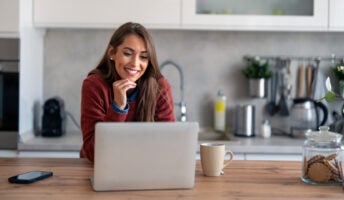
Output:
(181, 103)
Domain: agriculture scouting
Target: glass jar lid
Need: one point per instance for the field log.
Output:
(324, 135)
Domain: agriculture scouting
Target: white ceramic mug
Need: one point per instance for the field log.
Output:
(213, 158)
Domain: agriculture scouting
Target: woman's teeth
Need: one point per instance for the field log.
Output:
(131, 71)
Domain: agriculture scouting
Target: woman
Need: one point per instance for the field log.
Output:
(125, 86)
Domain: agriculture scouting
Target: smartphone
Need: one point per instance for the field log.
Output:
(30, 177)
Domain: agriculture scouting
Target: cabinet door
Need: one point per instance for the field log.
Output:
(279, 157)
(9, 18)
(255, 14)
(106, 13)
(336, 21)
(237, 156)
(8, 153)
(49, 154)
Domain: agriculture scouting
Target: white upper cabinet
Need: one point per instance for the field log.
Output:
(106, 13)
(274, 15)
(336, 21)
(256, 14)
(9, 18)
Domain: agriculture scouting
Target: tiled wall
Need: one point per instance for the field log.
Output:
(211, 60)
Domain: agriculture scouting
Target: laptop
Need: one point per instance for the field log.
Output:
(144, 155)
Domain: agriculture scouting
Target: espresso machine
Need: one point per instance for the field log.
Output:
(54, 118)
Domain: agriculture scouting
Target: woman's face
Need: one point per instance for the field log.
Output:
(131, 58)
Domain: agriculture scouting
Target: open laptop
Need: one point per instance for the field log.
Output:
(144, 155)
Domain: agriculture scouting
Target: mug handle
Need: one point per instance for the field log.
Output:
(230, 158)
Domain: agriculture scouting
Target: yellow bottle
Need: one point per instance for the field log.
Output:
(220, 112)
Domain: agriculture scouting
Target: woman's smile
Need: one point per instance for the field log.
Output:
(131, 72)
(131, 58)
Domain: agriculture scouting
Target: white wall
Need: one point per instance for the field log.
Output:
(31, 67)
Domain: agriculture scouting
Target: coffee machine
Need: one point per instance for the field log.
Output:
(54, 117)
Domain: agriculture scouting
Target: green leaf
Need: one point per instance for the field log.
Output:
(330, 96)
(255, 69)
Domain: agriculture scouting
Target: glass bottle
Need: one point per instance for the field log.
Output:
(323, 158)
(265, 129)
(220, 112)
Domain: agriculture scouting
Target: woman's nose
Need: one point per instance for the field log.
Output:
(136, 61)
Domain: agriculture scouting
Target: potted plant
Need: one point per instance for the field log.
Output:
(257, 73)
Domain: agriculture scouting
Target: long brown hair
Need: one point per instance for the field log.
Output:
(148, 83)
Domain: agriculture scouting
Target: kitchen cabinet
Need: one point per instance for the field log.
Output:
(8, 153)
(237, 156)
(336, 15)
(274, 15)
(275, 157)
(105, 13)
(49, 154)
(262, 156)
(255, 14)
(9, 18)
(39, 154)
(75, 154)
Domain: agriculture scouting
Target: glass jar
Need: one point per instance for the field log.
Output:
(323, 157)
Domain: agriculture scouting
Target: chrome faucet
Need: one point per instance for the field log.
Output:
(181, 103)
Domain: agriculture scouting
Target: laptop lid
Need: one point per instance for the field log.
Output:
(138, 156)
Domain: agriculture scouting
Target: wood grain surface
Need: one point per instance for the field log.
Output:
(242, 180)
(300, 82)
(309, 80)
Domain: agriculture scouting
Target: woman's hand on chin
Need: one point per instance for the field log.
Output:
(120, 89)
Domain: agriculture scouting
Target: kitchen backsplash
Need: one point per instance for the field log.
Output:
(211, 60)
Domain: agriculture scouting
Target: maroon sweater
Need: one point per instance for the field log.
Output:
(96, 106)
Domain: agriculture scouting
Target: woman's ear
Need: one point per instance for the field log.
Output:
(110, 52)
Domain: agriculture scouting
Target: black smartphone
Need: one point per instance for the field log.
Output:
(30, 177)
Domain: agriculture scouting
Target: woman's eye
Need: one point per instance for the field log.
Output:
(144, 57)
(127, 53)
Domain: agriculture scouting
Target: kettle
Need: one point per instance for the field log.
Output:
(305, 116)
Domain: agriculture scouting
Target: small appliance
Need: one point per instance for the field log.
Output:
(9, 103)
(305, 116)
(245, 121)
(53, 120)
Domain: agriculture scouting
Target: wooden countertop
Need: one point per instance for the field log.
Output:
(242, 180)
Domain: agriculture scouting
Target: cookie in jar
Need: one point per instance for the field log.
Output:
(323, 157)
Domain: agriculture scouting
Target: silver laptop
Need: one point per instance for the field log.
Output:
(142, 156)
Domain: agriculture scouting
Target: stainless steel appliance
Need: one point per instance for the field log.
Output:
(245, 120)
(305, 116)
(9, 103)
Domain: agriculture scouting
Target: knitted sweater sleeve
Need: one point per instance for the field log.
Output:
(95, 107)
(164, 106)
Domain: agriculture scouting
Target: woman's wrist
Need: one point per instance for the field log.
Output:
(118, 109)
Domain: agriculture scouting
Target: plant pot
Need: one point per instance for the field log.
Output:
(257, 88)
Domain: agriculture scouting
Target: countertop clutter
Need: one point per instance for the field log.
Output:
(241, 180)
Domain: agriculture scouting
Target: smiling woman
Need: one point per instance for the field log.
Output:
(131, 62)
(125, 86)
